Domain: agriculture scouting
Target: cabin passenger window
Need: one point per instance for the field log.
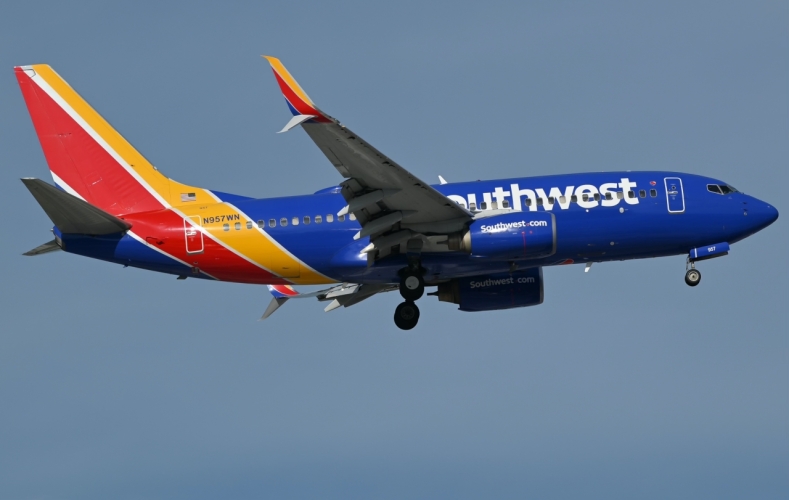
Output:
(653, 193)
(551, 200)
(238, 226)
(352, 217)
(226, 227)
(539, 202)
(261, 224)
(340, 218)
(329, 218)
(574, 198)
(272, 223)
(609, 196)
(249, 224)
(585, 197)
(318, 219)
(631, 194)
(505, 204)
(483, 206)
(620, 195)
(283, 222)
(562, 200)
(642, 194)
(295, 221)
(472, 206)
(597, 197)
(306, 219)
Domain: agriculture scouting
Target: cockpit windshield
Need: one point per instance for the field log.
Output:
(721, 189)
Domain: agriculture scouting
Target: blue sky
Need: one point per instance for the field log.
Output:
(625, 383)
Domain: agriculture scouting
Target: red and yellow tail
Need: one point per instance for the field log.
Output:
(88, 158)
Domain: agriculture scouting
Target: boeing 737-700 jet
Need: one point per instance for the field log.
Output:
(481, 245)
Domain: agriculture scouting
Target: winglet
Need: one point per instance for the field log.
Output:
(296, 120)
(298, 101)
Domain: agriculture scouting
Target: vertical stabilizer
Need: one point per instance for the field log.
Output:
(90, 159)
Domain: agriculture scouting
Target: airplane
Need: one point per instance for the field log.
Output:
(481, 245)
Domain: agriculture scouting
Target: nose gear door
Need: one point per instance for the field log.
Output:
(675, 197)
(193, 235)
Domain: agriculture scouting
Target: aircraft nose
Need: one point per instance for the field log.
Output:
(761, 214)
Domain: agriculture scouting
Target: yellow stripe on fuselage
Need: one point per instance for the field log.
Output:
(253, 243)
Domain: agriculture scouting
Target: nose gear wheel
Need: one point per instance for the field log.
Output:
(692, 277)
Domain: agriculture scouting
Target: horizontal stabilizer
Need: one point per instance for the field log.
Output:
(72, 215)
(49, 246)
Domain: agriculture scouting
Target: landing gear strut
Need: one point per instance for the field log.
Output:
(692, 275)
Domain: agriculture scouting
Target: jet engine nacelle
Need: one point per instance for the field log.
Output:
(494, 291)
(512, 236)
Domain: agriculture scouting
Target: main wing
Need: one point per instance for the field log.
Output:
(391, 204)
(344, 294)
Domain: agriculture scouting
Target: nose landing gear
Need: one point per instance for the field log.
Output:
(692, 275)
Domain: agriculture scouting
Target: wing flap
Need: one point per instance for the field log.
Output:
(358, 160)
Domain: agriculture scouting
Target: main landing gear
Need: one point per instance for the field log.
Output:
(406, 315)
(692, 275)
(412, 287)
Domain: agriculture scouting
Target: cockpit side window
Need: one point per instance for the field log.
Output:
(714, 188)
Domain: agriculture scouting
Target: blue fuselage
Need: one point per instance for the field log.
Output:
(598, 217)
